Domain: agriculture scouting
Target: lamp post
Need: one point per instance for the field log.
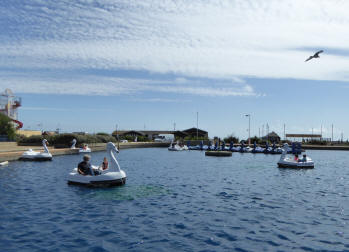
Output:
(284, 131)
(332, 134)
(197, 125)
(249, 129)
(117, 136)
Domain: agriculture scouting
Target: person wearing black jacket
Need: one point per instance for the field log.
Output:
(85, 168)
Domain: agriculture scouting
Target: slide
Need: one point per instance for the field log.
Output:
(19, 124)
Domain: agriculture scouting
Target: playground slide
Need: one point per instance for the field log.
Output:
(19, 124)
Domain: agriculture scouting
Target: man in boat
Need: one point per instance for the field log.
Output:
(85, 168)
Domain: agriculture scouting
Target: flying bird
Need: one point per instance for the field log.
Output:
(316, 55)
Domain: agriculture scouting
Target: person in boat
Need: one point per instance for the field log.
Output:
(304, 159)
(85, 168)
(105, 164)
(296, 158)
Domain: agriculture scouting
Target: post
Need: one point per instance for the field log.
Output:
(332, 134)
(262, 130)
(249, 128)
(117, 137)
(197, 125)
(267, 128)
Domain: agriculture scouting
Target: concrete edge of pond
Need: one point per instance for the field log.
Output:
(16, 154)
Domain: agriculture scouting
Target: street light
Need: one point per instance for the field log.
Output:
(249, 129)
(197, 125)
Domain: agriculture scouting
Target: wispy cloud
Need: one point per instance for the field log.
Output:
(165, 100)
(64, 109)
(106, 86)
(195, 39)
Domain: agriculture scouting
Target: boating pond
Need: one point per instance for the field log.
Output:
(178, 201)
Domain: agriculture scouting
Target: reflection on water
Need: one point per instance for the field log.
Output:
(128, 192)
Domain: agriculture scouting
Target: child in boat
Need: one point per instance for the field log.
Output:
(296, 158)
(105, 164)
(304, 159)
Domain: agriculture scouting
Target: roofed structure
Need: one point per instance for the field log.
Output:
(193, 132)
(272, 137)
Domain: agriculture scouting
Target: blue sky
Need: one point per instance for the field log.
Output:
(88, 65)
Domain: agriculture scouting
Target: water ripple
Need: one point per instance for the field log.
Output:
(178, 202)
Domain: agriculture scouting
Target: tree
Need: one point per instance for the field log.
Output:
(256, 139)
(231, 138)
(6, 127)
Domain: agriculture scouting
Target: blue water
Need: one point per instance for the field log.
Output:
(178, 201)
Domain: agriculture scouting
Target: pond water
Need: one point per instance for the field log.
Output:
(178, 201)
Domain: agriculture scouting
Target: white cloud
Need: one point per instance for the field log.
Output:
(196, 39)
(166, 100)
(64, 109)
(106, 86)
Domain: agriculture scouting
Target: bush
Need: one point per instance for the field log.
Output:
(62, 139)
(32, 140)
(102, 134)
(6, 127)
(255, 139)
(231, 138)
(65, 140)
(317, 142)
(142, 139)
(105, 138)
(193, 138)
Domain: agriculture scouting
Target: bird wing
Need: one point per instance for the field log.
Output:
(309, 58)
(317, 53)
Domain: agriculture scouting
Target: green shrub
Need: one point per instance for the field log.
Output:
(192, 138)
(142, 139)
(6, 127)
(231, 138)
(32, 140)
(255, 139)
(105, 138)
(65, 140)
(102, 134)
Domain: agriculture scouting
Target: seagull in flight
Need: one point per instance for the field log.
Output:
(316, 55)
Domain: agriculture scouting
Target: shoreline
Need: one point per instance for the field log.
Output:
(14, 152)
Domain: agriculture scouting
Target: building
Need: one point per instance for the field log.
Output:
(131, 133)
(152, 134)
(195, 132)
(304, 137)
(272, 137)
(179, 134)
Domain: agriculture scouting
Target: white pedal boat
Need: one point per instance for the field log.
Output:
(113, 176)
(289, 162)
(31, 155)
(4, 163)
(176, 147)
(73, 144)
(85, 149)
